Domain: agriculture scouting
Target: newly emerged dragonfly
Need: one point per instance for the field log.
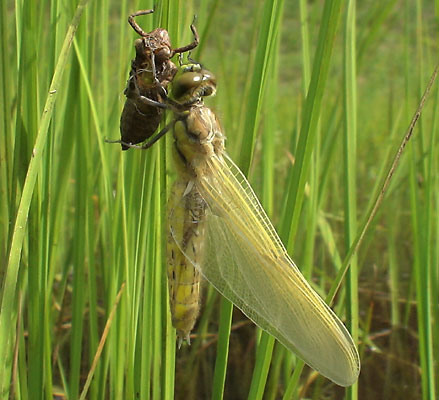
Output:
(151, 72)
(219, 230)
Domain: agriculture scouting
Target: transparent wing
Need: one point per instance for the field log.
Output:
(245, 260)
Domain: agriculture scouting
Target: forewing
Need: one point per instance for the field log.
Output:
(246, 261)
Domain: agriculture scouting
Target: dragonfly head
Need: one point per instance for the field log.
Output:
(192, 83)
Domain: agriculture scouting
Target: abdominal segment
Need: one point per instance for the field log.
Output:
(186, 227)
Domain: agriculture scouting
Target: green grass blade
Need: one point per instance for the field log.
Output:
(8, 294)
(262, 365)
(222, 352)
(269, 29)
(310, 118)
(350, 160)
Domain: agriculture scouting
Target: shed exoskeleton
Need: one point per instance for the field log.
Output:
(151, 72)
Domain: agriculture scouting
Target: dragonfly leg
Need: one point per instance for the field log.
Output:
(150, 102)
(190, 46)
(135, 25)
(147, 145)
(158, 84)
(170, 104)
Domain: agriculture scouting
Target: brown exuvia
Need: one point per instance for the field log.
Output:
(151, 72)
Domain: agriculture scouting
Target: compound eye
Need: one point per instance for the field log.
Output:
(208, 76)
(185, 83)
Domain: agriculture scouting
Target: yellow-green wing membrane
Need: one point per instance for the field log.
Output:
(245, 260)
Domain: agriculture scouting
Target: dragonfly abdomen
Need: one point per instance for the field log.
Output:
(183, 276)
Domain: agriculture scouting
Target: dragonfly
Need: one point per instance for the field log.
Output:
(217, 229)
(151, 72)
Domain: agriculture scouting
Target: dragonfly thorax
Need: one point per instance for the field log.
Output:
(198, 138)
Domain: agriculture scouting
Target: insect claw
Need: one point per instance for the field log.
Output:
(183, 337)
(111, 141)
(180, 59)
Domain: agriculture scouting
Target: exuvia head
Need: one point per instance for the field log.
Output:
(160, 46)
(191, 83)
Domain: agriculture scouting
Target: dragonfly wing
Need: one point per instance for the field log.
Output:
(245, 260)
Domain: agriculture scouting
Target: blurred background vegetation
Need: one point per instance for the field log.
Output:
(315, 98)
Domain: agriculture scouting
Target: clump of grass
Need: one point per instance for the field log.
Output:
(313, 102)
